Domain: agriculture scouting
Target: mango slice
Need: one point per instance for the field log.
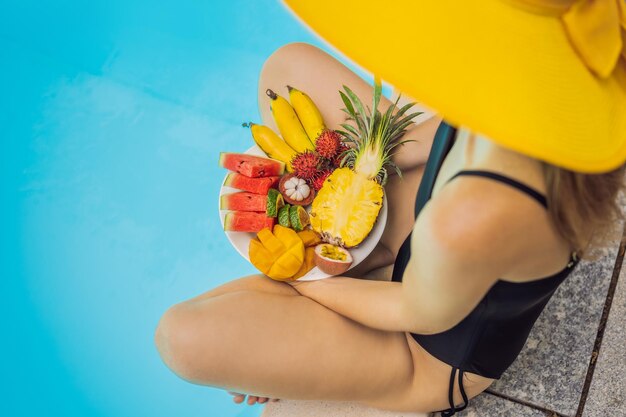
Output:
(279, 253)
(308, 264)
(309, 237)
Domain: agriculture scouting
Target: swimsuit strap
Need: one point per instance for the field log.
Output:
(465, 400)
(507, 180)
(442, 143)
(453, 409)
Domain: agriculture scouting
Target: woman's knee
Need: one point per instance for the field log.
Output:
(292, 53)
(168, 335)
(177, 339)
(290, 58)
(190, 336)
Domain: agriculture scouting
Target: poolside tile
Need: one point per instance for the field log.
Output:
(481, 406)
(487, 405)
(289, 408)
(551, 370)
(608, 387)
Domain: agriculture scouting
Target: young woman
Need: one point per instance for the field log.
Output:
(492, 234)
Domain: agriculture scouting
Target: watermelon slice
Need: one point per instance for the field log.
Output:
(247, 221)
(243, 201)
(250, 165)
(253, 185)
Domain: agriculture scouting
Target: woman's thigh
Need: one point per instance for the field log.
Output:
(318, 74)
(287, 346)
(321, 76)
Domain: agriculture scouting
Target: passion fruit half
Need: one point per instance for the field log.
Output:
(295, 190)
(331, 259)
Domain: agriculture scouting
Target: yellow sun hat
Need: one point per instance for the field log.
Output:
(546, 78)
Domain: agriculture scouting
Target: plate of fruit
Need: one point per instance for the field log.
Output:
(310, 203)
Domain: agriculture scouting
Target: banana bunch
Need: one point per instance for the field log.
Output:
(299, 126)
(288, 123)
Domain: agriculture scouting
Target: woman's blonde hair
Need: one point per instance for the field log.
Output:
(586, 208)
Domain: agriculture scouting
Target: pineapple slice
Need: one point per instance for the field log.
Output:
(346, 207)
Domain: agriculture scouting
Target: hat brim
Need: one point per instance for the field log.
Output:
(501, 71)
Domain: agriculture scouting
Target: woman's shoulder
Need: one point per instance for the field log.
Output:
(474, 222)
(471, 218)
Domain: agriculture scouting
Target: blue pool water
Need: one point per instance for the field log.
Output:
(112, 114)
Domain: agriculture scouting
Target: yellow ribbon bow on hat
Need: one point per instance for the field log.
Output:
(596, 29)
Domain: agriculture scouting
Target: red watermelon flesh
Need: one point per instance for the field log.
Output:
(247, 221)
(243, 201)
(253, 185)
(250, 165)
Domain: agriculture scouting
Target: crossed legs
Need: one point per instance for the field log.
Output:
(268, 342)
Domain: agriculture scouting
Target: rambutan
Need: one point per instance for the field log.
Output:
(336, 160)
(328, 143)
(305, 165)
(319, 179)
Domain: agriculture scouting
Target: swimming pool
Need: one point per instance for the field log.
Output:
(112, 116)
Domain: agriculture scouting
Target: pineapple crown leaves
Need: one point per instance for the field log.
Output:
(375, 131)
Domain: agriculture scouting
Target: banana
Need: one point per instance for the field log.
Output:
(307, 112)
(288, 123)
(271, 144)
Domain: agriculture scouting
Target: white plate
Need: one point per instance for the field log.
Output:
(241, 240)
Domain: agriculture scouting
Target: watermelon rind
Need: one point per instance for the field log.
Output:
(228, 221)
(229, 179)
(221, 159)
(223, 201)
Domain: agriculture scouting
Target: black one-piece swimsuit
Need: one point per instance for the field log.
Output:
(487, 341)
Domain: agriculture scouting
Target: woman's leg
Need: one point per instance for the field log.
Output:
(321, 76)
(286, 346)
(250, 283)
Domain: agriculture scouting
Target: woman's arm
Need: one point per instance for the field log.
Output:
(461, 244)
(463, 241)
(376, 304)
